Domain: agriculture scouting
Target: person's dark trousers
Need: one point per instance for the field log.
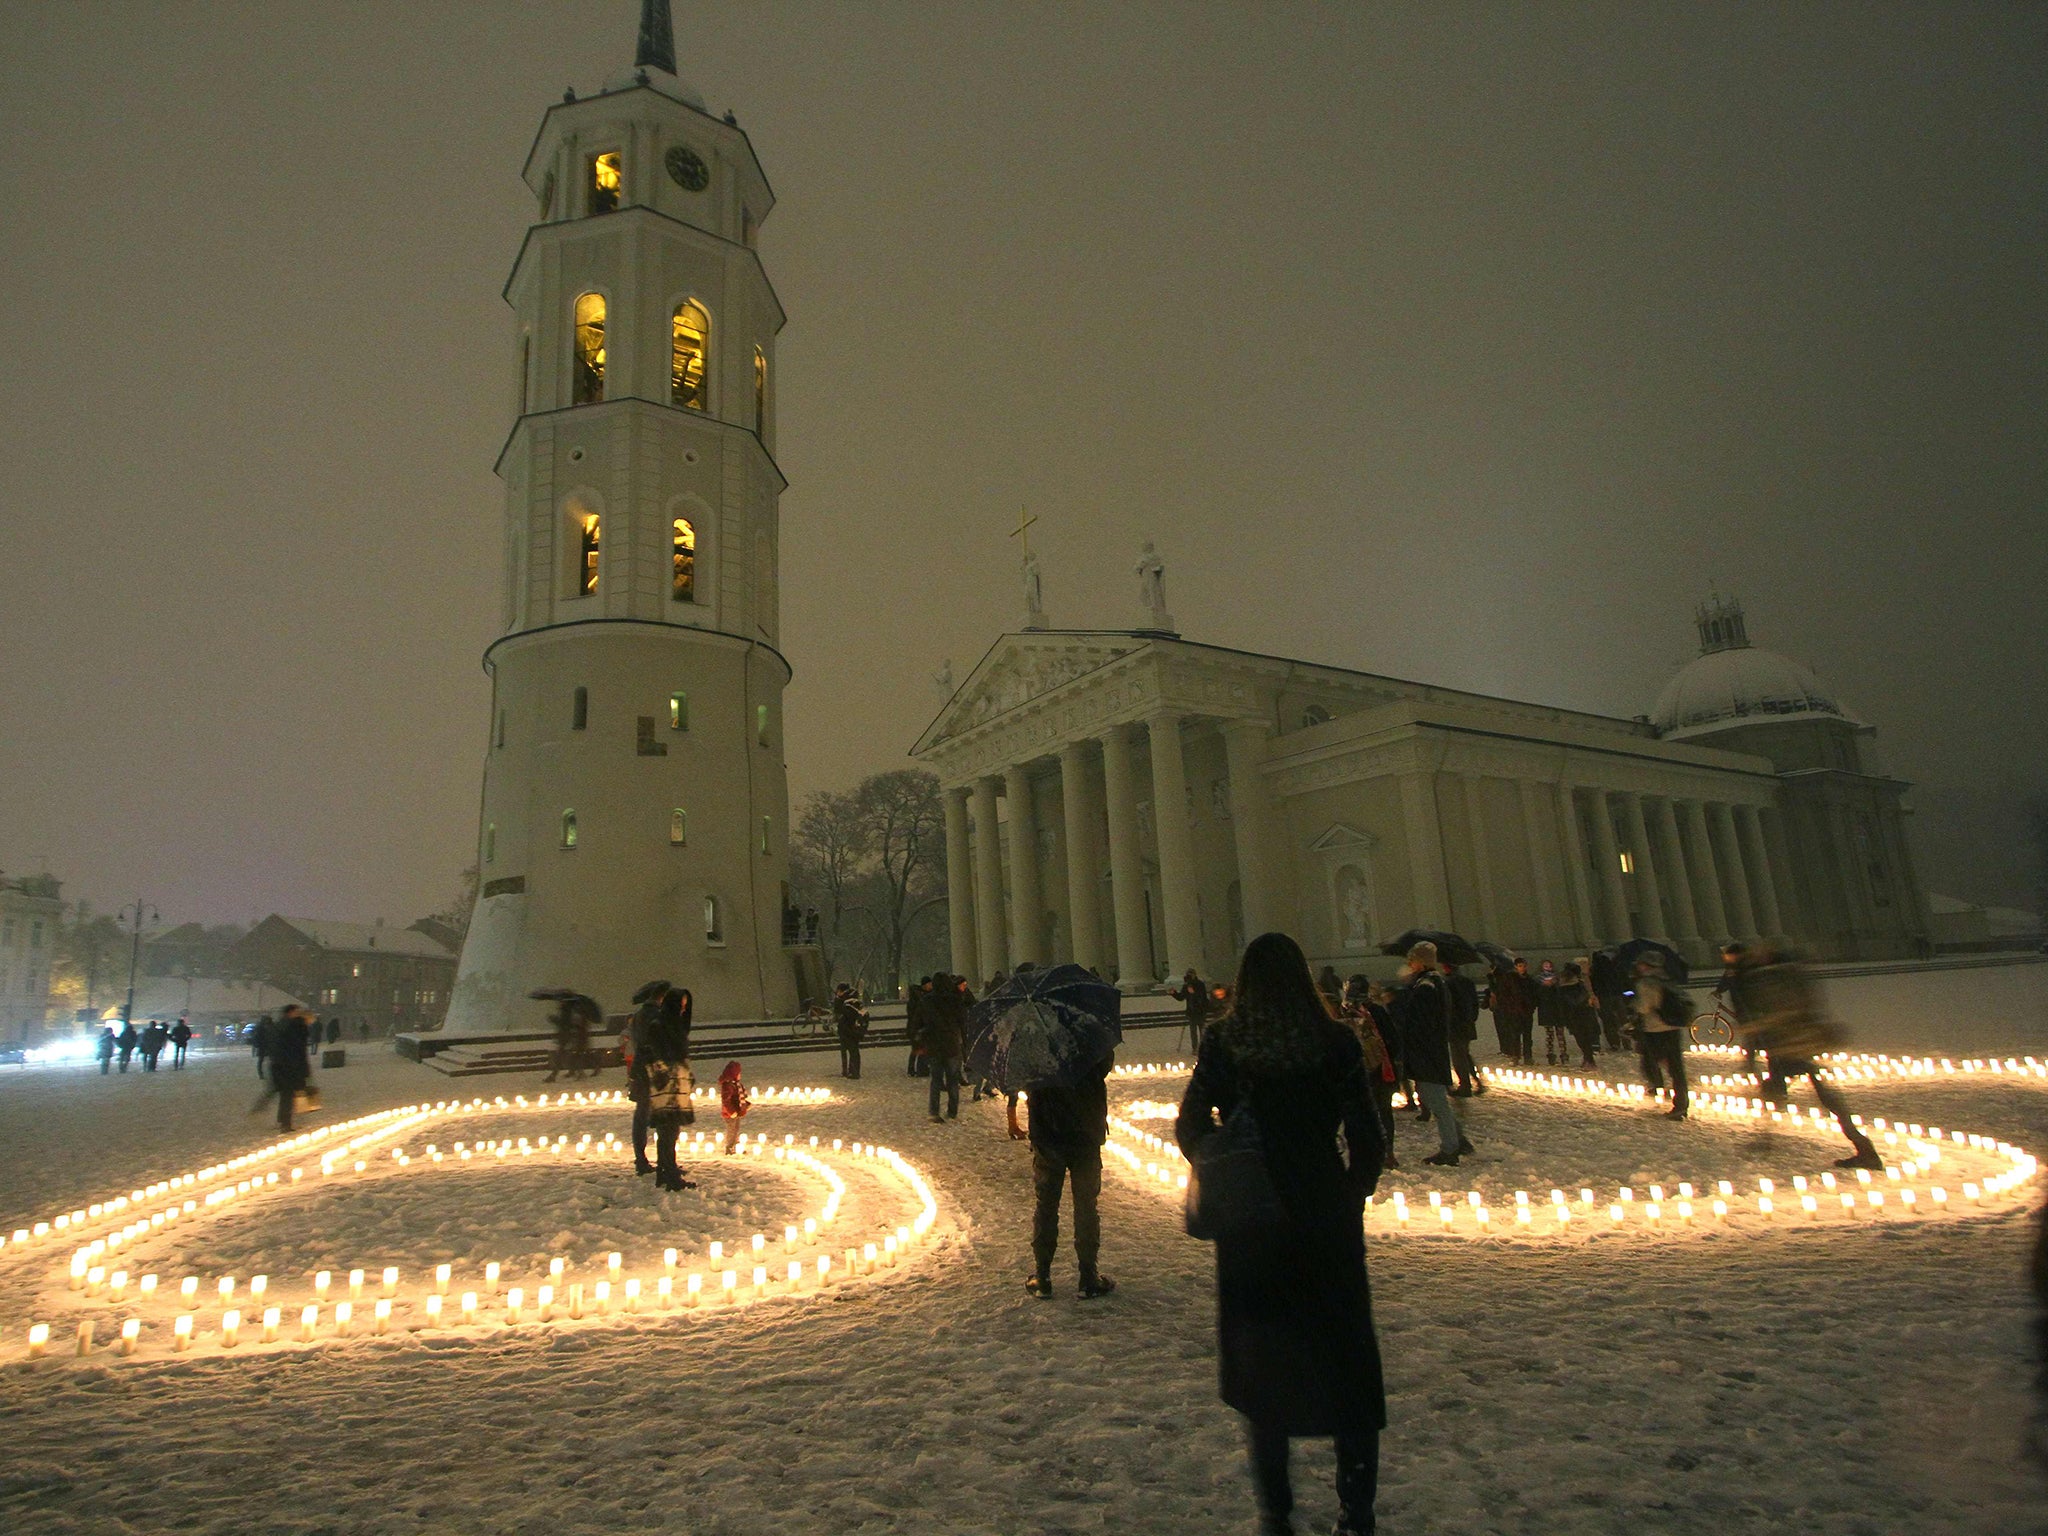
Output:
(1777, 1087)
(1195, 1036)
(124, 1061)
(946, 1080)
(1358, 1477)
(910, 1068)
(1050, 1171)
(642, 1112)
(849, 1061)
(1461, 1061)
(106, 1065)
(667, 1172)
(1610, 1026)
(287, 1099)
(1528, 1040)
(1663, 1052)
(1383, 1100)
(178, 1058)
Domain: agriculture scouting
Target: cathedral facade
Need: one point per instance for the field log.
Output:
(634, 818)
(1142, 803)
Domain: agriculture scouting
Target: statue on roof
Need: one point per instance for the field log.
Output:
(1152, 591)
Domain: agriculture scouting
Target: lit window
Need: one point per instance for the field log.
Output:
(692, 334)
(589, 348)
(355, 970)
(491, 843)
(568, 829)
(761, 724)
(605, 182)
(711, 929)
(679, 711)
(683, 583)
(760, 390)
(678, 828)
(764, 834)
(579, 710)
(590, 531)
(1628, 862)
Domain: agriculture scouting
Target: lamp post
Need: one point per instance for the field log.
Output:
(138, 913)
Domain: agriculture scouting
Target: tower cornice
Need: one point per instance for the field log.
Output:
(594, 411)
(683, 632)
(589, 221)
(711, 119)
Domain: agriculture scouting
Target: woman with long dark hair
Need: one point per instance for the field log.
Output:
(1296, 1346)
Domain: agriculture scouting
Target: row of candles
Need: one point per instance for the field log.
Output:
(557, 1298)
(1877, 1066)
(1159, 1162)
(354, 1135)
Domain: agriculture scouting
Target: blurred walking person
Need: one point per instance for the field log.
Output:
(1581, 1020)
(290, 1062)
(181, 1037)
(945, 1043)
(261, 1039)
(104, 1048)
(1788, 1021)
(126, 1041)
(1297, 1351)
(1463, 1030)
(1662, 1012)
(154, 1038)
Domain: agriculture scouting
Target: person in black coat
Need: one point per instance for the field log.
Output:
(181, 1038)
(290, 1066)
(634, 1043)
(664, 1060)
(914, 1007)
(1295, 1339)
(850, 1023)
(1464, 1029)
(1423, 1018)
(1193, 994)
(1069, 1124)
(126, 1040)
(945, 1042)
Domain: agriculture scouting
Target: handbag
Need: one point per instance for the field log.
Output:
(669, 1085)
(1231, 1195)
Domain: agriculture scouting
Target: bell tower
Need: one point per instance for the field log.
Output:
(635, 806)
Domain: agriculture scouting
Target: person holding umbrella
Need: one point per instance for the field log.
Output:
(1068, 1123)
(1297, 1351)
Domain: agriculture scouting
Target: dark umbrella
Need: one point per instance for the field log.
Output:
(1499, 956)
(1450, 949)
(1675, 968)
(1044, 1025)
(554, 994)
(648, 993)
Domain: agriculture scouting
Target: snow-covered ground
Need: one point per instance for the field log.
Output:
(1846, 1377)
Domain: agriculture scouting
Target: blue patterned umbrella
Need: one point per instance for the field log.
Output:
(1044, 1025)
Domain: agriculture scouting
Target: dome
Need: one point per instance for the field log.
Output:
(1732, 681)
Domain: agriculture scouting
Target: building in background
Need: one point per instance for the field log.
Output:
(635, 804)
(31, 915)
(1135, 801)
(394, 980)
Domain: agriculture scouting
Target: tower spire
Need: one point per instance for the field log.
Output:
(657, 46)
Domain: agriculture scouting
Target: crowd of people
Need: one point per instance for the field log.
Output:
(150, 1042)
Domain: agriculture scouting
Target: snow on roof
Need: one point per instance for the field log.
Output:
(378, 936)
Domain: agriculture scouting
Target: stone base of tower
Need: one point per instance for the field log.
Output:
(634, 827)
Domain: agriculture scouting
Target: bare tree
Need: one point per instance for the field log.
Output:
(872, 860)
(90, 951)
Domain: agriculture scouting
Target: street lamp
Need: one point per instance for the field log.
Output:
(138, 913)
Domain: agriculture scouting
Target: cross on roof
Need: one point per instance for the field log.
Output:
(1022, 531)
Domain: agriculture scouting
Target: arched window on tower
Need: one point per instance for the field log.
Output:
(568, 829)
(683, 579)
(692, 340)
(589, 366)
(760, 390)
(606, 180)
(589, 534)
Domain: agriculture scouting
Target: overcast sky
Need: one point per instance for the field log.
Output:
(1465, 343)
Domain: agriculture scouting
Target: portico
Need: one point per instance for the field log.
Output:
(1142, 803)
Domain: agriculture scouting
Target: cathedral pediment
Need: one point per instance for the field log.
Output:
(1017, 670)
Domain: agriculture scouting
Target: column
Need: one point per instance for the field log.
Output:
(1586, 928)
(1027, 906)
(1749, 832)
(1650, 908)
(1077, 796)
(1252, 826)
(1706, 869)
(1482, 858)
(1793, 918)
(1607, 854)
(1685, 920)
(1734, 870)
(991, 945)
(1546, 906)
(959, 887)
(1432, 892)
(1176, 846)
(1126, 869)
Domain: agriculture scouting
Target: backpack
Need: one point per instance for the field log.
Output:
(1231, 1194)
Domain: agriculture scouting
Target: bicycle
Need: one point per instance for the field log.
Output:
(1714, 1027)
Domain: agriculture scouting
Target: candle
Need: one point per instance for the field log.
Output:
(576, 1300)
(131, 1330)
(665, 1289)
(309, 1319)
(181, 1332)
(796, 1273)
(344, 1315)
(433, 1311)
(230, 1328)
(272, 1316)
(491, 1273)
(602, 1295)
(85, 1337)
(693, 1288)
(320, 1283)
(729, 1281)
(824, 1268)
(717, 1252)
(514, 1300)
(355, 1284)
(148, 1286)
(544, 1299)
(612, 1262)
(442, 1272)
(555, 1269)
(38, 1340)
(633, 1295)
(189, 1287)
(390, 1281)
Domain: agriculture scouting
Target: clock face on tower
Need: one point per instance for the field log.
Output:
(687, 170)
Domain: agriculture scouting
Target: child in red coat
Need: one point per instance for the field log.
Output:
(732, 1103)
